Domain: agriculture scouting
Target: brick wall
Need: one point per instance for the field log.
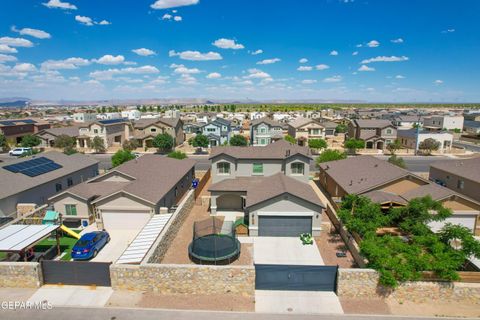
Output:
(363, 283)
(184, 279)
(20, 274)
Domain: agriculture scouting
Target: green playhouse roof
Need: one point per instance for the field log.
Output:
(50, 216)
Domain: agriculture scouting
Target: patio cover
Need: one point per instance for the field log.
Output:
(18, 237)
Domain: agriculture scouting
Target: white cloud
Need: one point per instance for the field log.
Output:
(385, 59)
(334, 53)
(259, 51)
(70, 63)
(144, 52)
(398, 40)
(36, 33)
(104, 23)
(227, 44)
(7, 49)
(322, 67)
(110, 73)
(269, 61)
(24, 67)
(214, 75)
(245, 83)
(373, 44)
(448, 31)
(303, 60)
(366, 68)
(257, 74)
(187, 79)
(181, 69)
(354, 53)
(167, 16)
(333, 79)
(59, 5)
(195, 55)
(111, 60)
(16, 42)
(177, 18)
(305, 68)
(438, 82)
(399, 76)
(85, 20)
(309, 81)
(7, 58)
(166, 4)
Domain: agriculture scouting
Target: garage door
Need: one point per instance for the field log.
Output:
(125, 220)
(280, 226)
(229, 202)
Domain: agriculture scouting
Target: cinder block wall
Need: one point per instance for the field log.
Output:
(20, 274)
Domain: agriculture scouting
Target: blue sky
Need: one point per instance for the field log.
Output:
(376, 50)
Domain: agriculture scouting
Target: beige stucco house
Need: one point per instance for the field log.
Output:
(303, 129)
(147, 129)
(113, 132)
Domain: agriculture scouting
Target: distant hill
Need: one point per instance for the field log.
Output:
(14, 102)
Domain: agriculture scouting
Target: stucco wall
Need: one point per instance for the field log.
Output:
(83, 211)
(363, 283)
(20, 274)
(184, 279)
(470, 188)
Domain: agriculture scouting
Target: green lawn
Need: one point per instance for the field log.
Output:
(66, 245)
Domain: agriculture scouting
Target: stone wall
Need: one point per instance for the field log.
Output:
(184, 279)
(20, 274)
(363, 283)
(163, 242)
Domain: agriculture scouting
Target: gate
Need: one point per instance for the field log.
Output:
(76, 273)
(295, 277)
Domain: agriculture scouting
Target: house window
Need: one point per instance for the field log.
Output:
(460, 184)
(153, 130)
(298, 168)
(258, 168)
(210, 129)
(71, 209)
(389, 131)
(58, 187)
(223, 168)
(69, 182)
(315, 132)
(95, 131)
(263, 142)
(263, 130)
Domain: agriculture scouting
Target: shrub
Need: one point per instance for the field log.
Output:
(122, 156)
(163, 142)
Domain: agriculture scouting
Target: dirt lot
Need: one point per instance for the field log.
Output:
(178, 252)
(220, 302)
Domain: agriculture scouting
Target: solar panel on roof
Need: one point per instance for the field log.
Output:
(111, 121)
(33, 167)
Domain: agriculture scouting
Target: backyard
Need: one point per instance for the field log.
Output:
(66, 245)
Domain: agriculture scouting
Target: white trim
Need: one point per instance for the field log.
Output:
(287, 214)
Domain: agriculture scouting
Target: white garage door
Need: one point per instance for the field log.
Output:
(463, 220)
(124, 220)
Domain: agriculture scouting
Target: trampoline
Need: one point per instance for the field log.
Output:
(214, 242)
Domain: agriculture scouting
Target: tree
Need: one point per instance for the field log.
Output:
(130, 145)
(317, 143)
(199, 141)
(163, 142)
(290, 139)
(238, 140)
(398, 161)
(66, 143)
(394, 146)
(353, 144)
(341, 128)
(330, 155)
(3, 142)
(429, 145)
(98, 145)
(30, 141)
(122, 156)
(177, 155)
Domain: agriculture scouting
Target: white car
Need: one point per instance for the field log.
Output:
(20, 151)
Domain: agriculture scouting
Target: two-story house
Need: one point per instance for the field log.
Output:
(265, 131)
(268, 186)
(217, 131)
(443, 122)
(15, 130)
(82, 117)
(146, 130)
(303, 129)
(377, 134)
(113, 132)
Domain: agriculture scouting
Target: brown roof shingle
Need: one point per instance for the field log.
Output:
(280, 149)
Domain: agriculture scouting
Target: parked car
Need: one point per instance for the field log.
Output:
(88, 246)
(20, 151)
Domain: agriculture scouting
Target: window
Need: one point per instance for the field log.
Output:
(69, 182)
(258, 168)
(95, 131)
(263, 130)
(263, 142)
(460, 184)
(58, 187)
(389, 131)
(298, 168)
(210, 129)
(315, 132)
(71, 209)
(153, 130)
(223, 168)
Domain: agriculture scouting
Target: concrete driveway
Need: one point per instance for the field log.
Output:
(305, 302)
(82, 296)
(285, 250)
(119, 242)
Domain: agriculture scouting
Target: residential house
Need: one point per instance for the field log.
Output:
(34, 179)
(330, 127)
(146, 130)
(217, 131)
(113, 132)
(472, 116)
(443, 122)
(377, 134)
(407, 121)
(268, 186)
(132, 114)
(462, 176)
(172, 114)
(472, 128)
(409, 138)
(303, 129)
(265, 131)
(257, 115)
(15, 130)
(392, 186)
(109, 116)
(48, 136)
(82, 117)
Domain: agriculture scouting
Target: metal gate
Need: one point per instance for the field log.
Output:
(280, 226)
(76, 273)
(295, 278)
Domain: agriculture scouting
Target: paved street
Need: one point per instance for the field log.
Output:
(419, 163)
(468, 146)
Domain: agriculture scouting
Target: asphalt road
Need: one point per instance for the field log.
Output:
(419, 163)
(468, 146)
(153, 314)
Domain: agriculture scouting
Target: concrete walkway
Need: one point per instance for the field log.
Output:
(300, 302)
(78, 296)
(285, 250)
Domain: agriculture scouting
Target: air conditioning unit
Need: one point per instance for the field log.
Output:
(84, 223)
